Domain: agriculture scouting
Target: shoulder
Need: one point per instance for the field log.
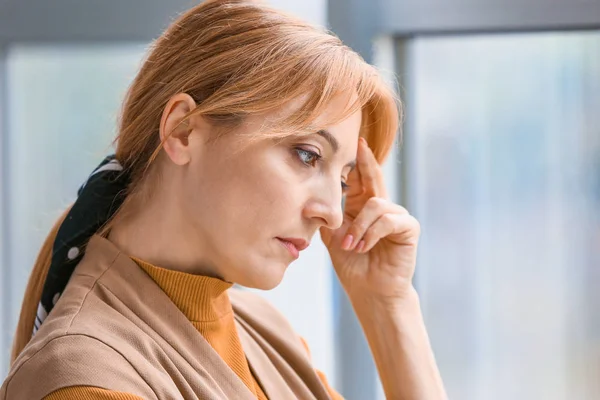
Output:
(85, 341)
(71, 360)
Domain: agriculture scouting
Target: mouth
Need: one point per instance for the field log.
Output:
(294, 245)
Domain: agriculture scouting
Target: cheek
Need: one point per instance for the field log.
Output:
(270, 201)
(267, 208)
(250, 198)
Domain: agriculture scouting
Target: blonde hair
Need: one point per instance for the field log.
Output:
(236, 58)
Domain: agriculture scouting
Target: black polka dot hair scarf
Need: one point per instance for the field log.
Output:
(97, 200)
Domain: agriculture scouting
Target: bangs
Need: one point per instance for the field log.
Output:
(342, 74)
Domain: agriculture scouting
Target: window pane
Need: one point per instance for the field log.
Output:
(504, 147)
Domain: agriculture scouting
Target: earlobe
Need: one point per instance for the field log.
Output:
(173, 132)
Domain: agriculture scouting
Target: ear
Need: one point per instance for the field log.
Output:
(173, 133)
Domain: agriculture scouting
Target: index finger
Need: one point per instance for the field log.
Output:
(370, 172)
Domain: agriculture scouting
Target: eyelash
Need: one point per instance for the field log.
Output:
(303, 152)
(317, 158)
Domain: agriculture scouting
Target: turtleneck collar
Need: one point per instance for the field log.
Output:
(200, 298)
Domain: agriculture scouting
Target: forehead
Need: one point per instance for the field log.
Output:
(336, 108)
(330, 113)
(345, 130)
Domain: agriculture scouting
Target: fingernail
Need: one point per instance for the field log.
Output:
(347, 242)
(360, 246)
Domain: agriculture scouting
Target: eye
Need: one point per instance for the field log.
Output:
(307, 157)
(310, 159)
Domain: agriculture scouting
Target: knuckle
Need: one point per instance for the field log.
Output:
(375, 203)
(369, 236)
(388, 219)
(358, 227)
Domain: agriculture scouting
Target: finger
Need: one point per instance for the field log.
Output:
(370, 171)
(354, 183)
(404, 226)
(371, 211)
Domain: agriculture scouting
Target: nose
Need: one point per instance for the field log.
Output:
(325, 206)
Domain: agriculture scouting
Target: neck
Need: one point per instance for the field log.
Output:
(157, 234)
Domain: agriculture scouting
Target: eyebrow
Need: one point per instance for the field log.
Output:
(335, 145)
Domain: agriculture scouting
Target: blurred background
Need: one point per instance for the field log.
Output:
(500, 162)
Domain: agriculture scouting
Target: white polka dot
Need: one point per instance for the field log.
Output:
(73, 253)
(55, 298)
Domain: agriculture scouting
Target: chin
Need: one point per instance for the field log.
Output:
(267, 278)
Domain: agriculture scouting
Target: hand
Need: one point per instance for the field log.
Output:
(374, 251)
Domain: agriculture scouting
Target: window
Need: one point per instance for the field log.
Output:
(503, 152)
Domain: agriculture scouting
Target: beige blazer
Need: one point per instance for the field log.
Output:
(114, 328)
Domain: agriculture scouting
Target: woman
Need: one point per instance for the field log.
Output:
(237, 141)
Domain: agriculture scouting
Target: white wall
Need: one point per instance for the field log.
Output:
(314, 11)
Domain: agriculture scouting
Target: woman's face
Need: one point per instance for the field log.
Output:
(242, 200)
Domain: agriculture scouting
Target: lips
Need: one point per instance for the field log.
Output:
(294, 245)
(300, 244)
